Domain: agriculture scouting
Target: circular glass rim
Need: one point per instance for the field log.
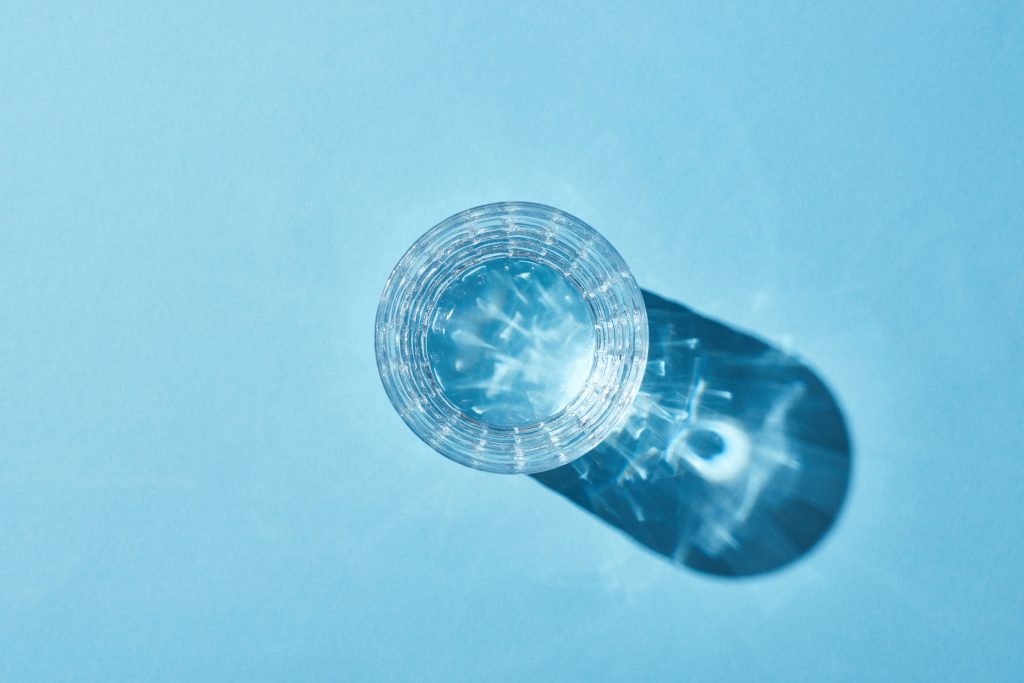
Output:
(546, 236)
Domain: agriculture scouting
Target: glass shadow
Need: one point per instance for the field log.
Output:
(734, 459)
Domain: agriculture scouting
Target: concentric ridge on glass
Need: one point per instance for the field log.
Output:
(547, 237)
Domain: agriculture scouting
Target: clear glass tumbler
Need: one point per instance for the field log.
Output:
(512, 338)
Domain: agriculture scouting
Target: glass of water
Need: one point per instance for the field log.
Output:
(512, 337)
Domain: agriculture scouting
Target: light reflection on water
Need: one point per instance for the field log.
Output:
(511, 342)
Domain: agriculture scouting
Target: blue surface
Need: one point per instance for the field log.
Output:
(201, 476)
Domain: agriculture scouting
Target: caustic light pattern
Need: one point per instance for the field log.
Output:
(511, 342)
(734, 458)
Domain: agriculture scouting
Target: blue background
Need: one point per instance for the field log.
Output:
(201, 476)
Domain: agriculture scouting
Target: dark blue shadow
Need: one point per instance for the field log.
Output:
(734, 460)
